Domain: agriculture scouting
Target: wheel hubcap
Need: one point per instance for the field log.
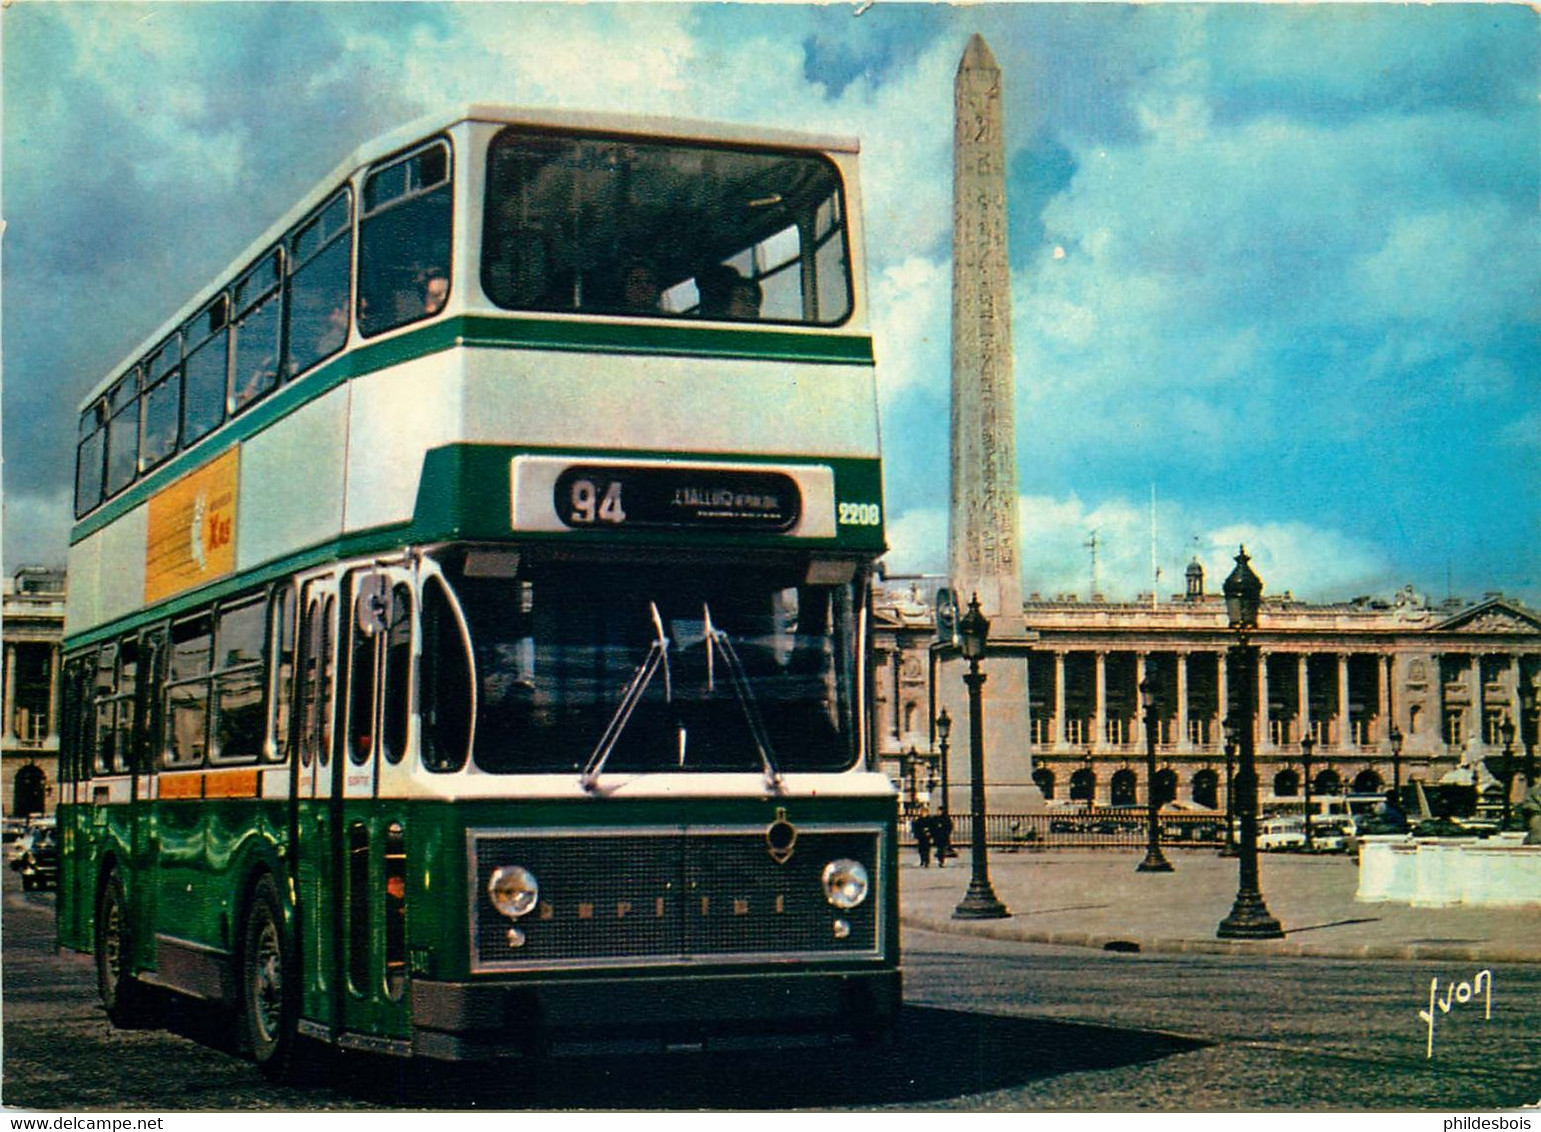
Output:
(268, 989)
(112, 946)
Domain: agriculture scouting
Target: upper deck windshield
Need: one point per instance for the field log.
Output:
(719, 667)
(673, 230)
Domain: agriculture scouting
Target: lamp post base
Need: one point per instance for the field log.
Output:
(1154, 862)
(979, 903)
(1249, 919)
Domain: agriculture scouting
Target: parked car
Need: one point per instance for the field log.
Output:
(38, 858)
(1275, 834)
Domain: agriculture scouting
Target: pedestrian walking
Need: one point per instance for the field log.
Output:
(941, 835)
(921, 828)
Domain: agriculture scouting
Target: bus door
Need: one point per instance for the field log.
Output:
(148, 712)
(369, 873)
(312, 826)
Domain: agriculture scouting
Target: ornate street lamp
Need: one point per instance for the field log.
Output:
(1307, 745)
(1154, 862)
(979, 903)
(1506, 729)
(943, 730)
(1229, 848)
(1396, 763)
(1249, 918)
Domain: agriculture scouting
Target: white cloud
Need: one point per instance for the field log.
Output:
(911, 312)
(33, 525)
(1314, 562)
(917, 542)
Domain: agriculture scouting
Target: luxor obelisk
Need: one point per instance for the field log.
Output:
(982, 529)
(982, 535)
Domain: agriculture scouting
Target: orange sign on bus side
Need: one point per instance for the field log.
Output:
(192, 529)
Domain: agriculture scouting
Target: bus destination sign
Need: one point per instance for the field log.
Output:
(597, 496)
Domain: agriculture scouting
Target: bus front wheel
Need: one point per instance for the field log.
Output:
(269, 1011)
(121, 993)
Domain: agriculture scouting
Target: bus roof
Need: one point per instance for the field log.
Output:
(678, 129)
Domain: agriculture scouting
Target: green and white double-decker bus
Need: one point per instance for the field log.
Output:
(467, 608)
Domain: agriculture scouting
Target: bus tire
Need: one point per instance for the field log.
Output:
(269, 1007)
(122, 995)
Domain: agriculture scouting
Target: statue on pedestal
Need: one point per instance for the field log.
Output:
(1529, 811)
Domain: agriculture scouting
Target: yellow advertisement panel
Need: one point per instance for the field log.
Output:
(192, 529)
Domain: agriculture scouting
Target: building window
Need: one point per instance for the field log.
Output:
(1123, 787)
(1455, 731)
(1286, 784)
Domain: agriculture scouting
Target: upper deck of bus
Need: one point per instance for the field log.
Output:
(478, 374)
(843, 149)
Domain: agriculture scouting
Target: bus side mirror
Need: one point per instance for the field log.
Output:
(369, 603)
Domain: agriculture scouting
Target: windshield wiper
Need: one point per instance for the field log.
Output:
(657, 656)
(739, 679)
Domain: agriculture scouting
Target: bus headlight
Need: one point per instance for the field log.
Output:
(845, 883)
(513, 890)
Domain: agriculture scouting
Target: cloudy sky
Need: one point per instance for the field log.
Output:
(1279, 266)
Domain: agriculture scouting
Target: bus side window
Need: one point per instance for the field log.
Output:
(206, 371)
(281, 649)
(445, 683)
(328, 676)
(321, 266)
(238, 714)
(79, 719)
(161, 414)
(89, 455)
(397, 686)
(104, 760)
(255, 340)
(152, 675)
(123, 432)
(187, 692)
(364, 629)
(126, 742)
(404, 240)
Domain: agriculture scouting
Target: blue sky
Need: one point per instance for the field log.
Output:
(1280, 263)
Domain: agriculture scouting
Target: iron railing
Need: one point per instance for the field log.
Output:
(1082, 829)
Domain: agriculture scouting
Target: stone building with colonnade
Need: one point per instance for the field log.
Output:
(1355, 676)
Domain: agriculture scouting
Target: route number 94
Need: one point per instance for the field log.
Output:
(596, 504)
(860, 515)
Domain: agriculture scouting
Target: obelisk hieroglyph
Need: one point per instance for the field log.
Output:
(982, 534)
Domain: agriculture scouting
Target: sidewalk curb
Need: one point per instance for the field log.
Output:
(1010, 932)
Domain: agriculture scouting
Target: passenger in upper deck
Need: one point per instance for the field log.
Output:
(727, 294)
(640, 292)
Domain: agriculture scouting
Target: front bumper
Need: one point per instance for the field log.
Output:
(486, 1019)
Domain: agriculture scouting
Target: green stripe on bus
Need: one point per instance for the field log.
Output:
(487, 332)
(463, 494)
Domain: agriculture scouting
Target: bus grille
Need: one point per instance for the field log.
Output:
(700, 894)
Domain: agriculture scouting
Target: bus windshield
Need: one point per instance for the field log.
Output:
(718, 667)
(621, 226)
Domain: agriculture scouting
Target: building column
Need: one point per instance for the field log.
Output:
(1264, 728)
(1303, 688)
(1183, 742)
(10, 691)
(53, 696)
(1100, 702)
(1222, 694)
(1383, 700)
(1476, 720)
(1137, 732)
(1059, 699)
(1345, 716)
